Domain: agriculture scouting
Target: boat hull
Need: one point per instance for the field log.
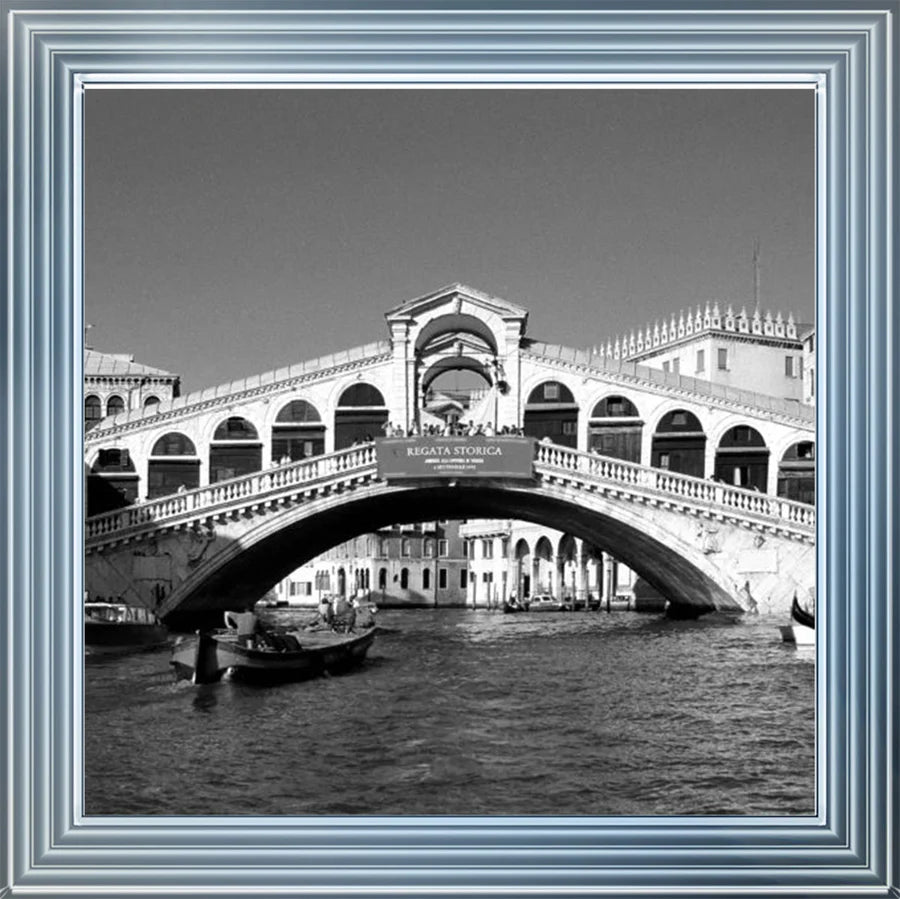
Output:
(207, 657)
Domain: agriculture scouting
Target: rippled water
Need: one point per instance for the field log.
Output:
(462, 712)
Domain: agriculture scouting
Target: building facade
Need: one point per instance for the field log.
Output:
(420, 565)
(722, 347)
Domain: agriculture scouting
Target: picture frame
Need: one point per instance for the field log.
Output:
(845, 53)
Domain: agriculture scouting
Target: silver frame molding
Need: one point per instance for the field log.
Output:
(845, 52)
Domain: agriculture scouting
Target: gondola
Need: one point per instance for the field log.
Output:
(269, 656)
(802, 629)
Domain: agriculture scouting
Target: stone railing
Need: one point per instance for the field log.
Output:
(657, 482)
(234, 493)
(357, 462)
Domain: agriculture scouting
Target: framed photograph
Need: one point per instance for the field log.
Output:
(371, 333)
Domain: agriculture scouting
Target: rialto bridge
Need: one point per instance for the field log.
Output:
(206, 501)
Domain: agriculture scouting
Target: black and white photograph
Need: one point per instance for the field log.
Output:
(450, 451)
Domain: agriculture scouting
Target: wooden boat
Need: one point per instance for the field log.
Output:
(269, 656)
(802, 629)
(117, 627)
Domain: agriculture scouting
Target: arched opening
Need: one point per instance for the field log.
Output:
(341, 582)
(298, 432)
(551, 411)
(112, 483)
(404, 579)
(542, 566)
(426, 578)
(151, 401)
(115, 405)
(360, 416)
(236, 450)
(93, 411)
(675, 565)
(522, 583)
(797, 473)
(742, 458)
(382, 579)
(173, 465)
(615, 429)
(566, 569)
(452, 324)
(455, 392)
(679, 444)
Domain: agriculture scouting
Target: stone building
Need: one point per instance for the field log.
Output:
(419, 565)
(722, 347)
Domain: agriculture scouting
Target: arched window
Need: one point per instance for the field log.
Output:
(615, 429)
(113, 481)
(404, 578)
(551, 412)
(797, 473)
(236, 428)
(298, 432)
(173, 466)
(361, 395)
(360, 417)
(742, 458)
(426, 578)
(679, 444)
(93, 411)
(115, 405)
(151, 401)
(173, 444)
(382, 578)
(235, 451)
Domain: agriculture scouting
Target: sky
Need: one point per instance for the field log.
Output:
(231, 232)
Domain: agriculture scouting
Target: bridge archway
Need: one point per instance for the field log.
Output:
(615, 428)
(679, 444)
(298, 432)
(243, 570)
(113, 481)
(173, 464)
(742, 458)
(360, 416)
(235, 449)
(797, 472)
(551, 411)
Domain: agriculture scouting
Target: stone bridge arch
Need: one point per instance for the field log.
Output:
(692, 560)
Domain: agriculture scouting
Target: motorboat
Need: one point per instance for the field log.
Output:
(118, 627)
(260, 655)
(802, 629)
(544, 602)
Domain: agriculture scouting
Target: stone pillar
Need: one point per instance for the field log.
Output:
(580, 573)
(608, 578)
(401, 371)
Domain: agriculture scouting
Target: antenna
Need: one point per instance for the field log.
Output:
(756, 274)
(87, 328)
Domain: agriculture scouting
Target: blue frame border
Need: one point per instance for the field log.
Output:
(846, 52)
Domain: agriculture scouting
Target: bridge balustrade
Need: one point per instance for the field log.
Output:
(362, 459)
(656, 480)
(223, 493)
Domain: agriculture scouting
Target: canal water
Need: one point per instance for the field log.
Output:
(473, 713)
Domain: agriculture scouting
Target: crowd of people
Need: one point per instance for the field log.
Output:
(453, 429)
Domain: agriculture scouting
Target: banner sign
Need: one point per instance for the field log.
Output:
(455, 457)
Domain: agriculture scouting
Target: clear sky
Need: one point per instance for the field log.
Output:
(231, 232)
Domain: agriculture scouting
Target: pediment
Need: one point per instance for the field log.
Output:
(454, 298)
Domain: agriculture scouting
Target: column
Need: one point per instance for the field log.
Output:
(580, 574)
(608, 566)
